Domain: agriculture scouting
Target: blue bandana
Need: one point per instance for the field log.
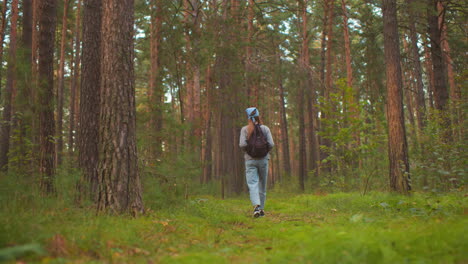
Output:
(252, 112)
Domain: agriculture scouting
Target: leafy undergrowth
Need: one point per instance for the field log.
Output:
(333, 228)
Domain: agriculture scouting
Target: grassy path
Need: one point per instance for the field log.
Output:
(335, 228)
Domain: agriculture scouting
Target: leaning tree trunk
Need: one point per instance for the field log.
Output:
(118, 178)
(11, 75)
(47, 23)
(88, 131)
(397, 145)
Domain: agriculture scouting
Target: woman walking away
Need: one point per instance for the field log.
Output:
(256, 141)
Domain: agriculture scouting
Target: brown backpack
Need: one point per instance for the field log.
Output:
(257, 144)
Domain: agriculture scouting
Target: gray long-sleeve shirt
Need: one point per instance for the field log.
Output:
(243, 140)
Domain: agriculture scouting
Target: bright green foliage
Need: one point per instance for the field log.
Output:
(334, 228)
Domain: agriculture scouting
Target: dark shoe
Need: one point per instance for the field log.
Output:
(256, 212)
(262, 213)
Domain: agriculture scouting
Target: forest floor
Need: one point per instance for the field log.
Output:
(307, 228)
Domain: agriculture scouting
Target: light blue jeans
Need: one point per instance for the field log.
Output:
(256, 173)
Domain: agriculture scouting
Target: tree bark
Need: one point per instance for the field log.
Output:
(118, 177)
(47, 24)
(329, 63)
(2, 35)
(416, 62)
(440, 87)
(430, 73)
(455, 92)
(304, 85)
(74, 99)
(207, 150)
(10, 86)
(88, 131)
(283, 121)
(61, 85)
(397, 145)
(252, 87)
(23, 101)
(156, 88)
(349, 69)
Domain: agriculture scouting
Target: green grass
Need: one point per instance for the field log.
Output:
(333, 228)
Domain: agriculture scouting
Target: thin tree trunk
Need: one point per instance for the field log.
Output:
(430, 73)
(420, 102)
(328, 76)
(323, 45)
(61, 84)
(252, 87)
(2, 36)
(24, 95)
(90, 95)
(328, 85)
(119, 181)
(207, 152)
(34, 87)
(397, 145)
(74, 83)
(47, 24)
(196, 118)
(156, 89)
(304, 68)
(349, 69)
(187, 96)
(440, 88)
(284, 128)
(455, 91)
(10, 86)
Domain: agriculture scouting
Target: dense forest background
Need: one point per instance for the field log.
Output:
(359, 95)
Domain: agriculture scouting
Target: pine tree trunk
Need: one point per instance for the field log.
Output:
(430, 73)
(455, 91)
(252, 87)
(88, 131)
(420, 101)
(23, 102)
(349, 69)
(329, 68)
(74, 98)
(397, 145)
(323, 45)
(2, 35)
(304, 85)
(195, 36)
(11, 82)
(440, 87)
(47, 23)
(207, 150)
(61, 85)
(156, 88)
(119, 180)
(284, 125)
(34, 92)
